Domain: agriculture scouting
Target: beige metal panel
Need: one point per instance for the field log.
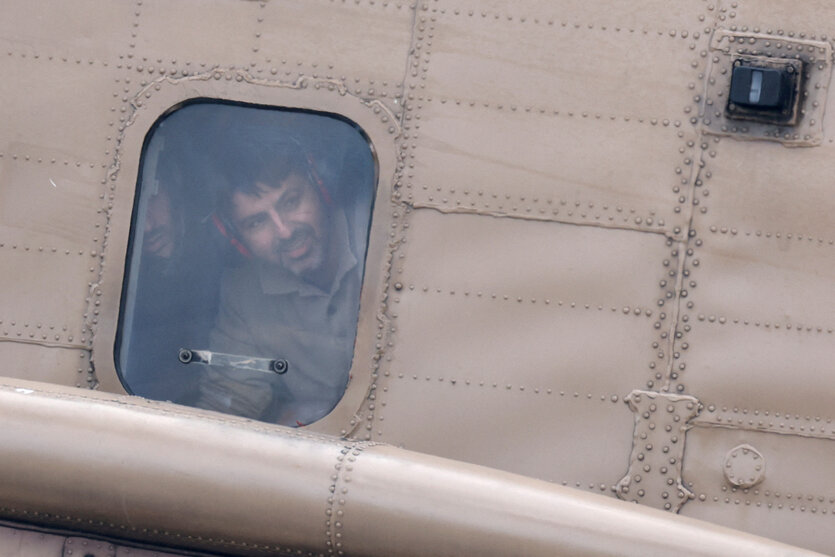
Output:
(614, 71)
(191, 32)
(290, 491)
(36, 362)
(23, 543)
(47, 297)
(48, 246)
(795, 503)
(761, 369)
(557, 167)
(779, 281)
(652, 16)
(812, 18)
(122, 551)
(365, 43)
(505, 311)
(767, 188)
(68, 107)
(541, 261)
(543, 431)
(47, 203)
(487, 514)
(72, 29)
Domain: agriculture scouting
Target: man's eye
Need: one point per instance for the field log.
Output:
(292, 202)
(254, 223)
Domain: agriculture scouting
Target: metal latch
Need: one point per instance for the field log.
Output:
(209, 358)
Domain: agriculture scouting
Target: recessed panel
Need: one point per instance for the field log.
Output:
(782, 281)
(762, 187)
(561, 264)
(783, 17)
(546, 436)
(647, 17)
(618, 70)
(186, 31)
(760, 368)
(529, 325)
(559, 167)
(367, 44)
(34, 115)
(794, 503)
(75, 30)
(48, 203)
(57, 365)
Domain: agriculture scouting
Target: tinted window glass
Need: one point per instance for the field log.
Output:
(246, 261)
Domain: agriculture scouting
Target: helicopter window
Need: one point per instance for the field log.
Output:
(246, 261)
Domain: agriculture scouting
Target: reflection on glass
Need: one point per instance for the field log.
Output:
(247, 259)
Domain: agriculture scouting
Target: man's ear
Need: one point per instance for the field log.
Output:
(226, 230)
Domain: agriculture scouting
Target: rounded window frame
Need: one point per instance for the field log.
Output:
(373, 119)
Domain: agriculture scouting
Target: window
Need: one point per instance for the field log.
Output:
(246, 261)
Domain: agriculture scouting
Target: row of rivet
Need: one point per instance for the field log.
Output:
(626, 310)
(507, 387)
(335, 508)
(677, 281)
(74, 522)
(552, 22)
(418, 59)
(546, 111)
(54, 58)
(40, 160)
(10, 329)
(664, 347)
(48, 250)
(799, 327)
(383, 3)
(768, 421)
(788, 496)
(533, 205)
(813, 504)
(776, 235)
(779, 32)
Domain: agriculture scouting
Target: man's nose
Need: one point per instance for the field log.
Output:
(282, 227)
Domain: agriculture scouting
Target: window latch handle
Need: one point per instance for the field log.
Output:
(209, 358)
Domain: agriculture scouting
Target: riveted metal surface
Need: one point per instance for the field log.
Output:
(80, 30)
(366, 43)
(474, 58)
(781, 17)
(794, 500)
(178, 35)
(767, 189)
(692, 249)
(485, 173)
(78, 547)
(654, 476)
(84, 84)
(23, 543)
(535, 358)
(150, 491)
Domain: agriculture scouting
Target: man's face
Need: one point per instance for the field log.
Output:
(284, 224)
(159, 232)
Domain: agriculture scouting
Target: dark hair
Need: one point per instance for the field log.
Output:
(253, 155)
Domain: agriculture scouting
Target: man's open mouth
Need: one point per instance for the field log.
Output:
(298, 248)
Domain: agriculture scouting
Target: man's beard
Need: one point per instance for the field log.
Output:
(309, 263)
